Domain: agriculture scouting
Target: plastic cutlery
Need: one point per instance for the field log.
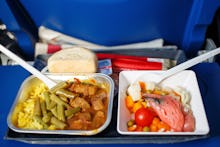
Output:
(28, 67)
(158, 78)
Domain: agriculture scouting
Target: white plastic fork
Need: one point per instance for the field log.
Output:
(158, 78)
(50, 83)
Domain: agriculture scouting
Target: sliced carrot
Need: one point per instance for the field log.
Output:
(153, 128)
(142, 85)
(163, 125)
(129, 102)
(156, 121)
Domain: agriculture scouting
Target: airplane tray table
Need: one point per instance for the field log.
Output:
(108, 136)
(112, 136)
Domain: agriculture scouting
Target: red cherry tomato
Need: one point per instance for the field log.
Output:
(144, 116)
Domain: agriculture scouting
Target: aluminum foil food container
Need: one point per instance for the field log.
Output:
(31, 82)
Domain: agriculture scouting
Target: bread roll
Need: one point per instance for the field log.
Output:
(75, 59)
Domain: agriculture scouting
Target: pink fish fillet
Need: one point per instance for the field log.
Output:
(168, 109)
(189, 124)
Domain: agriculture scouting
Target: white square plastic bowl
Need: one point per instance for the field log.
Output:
(186, 79)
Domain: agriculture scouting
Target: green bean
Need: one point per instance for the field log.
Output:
(70, 112)
(59, 124)
(52, 105)
(43, 107)
(60, 85)
(39, 120)
(47, 99)
(46, 118)
(37, 107)
(66, 93)
(56, 99)
(63, 98)
(54, 111)
(60, 112)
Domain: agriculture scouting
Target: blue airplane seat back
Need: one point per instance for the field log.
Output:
(116, 22)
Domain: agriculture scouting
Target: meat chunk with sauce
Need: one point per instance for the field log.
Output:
(97, 104)
(92, 100)
(84, 89)
(80, 102)
(81, 121)
(98, 99)
(99, 119)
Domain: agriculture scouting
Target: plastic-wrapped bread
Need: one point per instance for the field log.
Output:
(77, 59)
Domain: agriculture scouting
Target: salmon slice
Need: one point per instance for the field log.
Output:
(189, 124)
(168, 109)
